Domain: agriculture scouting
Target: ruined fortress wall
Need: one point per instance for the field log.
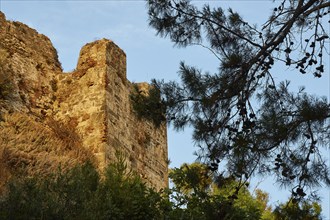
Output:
(93, 99)
(144, 144)
(31, 64)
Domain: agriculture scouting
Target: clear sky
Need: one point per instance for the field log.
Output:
(72, 24)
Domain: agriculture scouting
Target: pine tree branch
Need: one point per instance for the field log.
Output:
(212, 51)
(319, 7)
(281, 34)
(216, 23)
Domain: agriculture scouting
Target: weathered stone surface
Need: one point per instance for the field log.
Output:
(93, 100)
(32, 64)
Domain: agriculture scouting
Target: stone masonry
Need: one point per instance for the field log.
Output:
(94, 99)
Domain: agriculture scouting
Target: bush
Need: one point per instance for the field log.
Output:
(147, 104)
(81, 193)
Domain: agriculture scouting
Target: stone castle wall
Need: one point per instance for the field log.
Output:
(94, 99)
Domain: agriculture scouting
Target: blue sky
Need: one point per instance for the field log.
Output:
(71, 24)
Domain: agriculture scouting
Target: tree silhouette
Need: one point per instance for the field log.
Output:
(285, 133)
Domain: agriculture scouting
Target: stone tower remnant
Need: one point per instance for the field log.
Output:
(94, 99)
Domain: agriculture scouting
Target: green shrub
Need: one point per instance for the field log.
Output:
(81, 193)
(148, 105)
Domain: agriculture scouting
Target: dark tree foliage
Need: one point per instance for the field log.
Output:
(148, 106)
(285, 134)
(307, 210)
(81, 193)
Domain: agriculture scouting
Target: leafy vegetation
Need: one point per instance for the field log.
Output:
(81, 193)
(147, 104)
(293, 211)
(200, 194)
(207, 197)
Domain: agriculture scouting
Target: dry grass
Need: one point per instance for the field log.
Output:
(32, 147)
(6, 85)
